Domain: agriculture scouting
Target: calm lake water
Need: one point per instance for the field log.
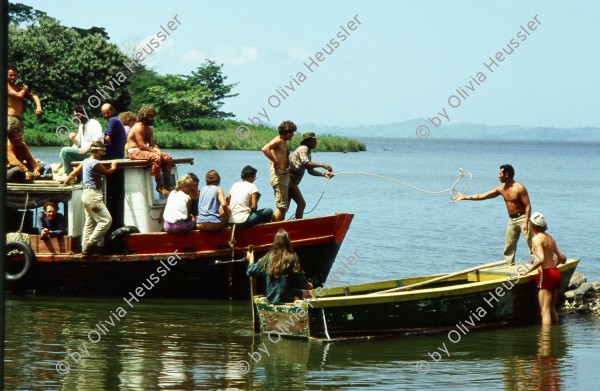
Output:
(398, 232)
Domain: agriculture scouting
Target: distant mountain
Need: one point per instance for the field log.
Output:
(407, 129)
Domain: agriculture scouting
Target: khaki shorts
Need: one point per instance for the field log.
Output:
(281, 185)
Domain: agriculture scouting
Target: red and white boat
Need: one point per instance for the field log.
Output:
(196, 264)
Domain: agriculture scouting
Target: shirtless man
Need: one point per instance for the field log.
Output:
(548, 279)
(278, 153)
(141, 146)
(518, 207)
(17, 95)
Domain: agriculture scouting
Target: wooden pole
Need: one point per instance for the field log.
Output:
(255, 320)
(441, 278)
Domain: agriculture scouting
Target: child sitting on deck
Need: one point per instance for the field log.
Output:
(177, 213)
(285, 281)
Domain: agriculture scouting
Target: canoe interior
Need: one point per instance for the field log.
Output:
(485, 298)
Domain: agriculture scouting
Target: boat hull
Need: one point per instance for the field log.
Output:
(467, 302)
(199, 264)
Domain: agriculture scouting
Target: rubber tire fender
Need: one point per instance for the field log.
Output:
(27, 252)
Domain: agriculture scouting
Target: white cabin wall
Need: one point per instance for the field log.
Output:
(142, 204)
(76, 216)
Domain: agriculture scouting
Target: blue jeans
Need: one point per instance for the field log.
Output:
(260, 216)
(70, 154)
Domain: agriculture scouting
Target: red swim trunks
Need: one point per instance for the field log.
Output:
(548, 279)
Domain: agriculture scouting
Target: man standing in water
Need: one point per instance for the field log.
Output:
(548, 279)
(278, 153)
(518, 206)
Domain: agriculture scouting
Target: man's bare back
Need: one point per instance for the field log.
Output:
(278, 153)
(544, 248)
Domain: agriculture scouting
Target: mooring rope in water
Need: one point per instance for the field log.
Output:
(451, 190)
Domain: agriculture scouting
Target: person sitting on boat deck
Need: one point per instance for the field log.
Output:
(285, 281)
(177, 213)
(547, 255)
(89, 131)
(243, 201)
(213, 210)
(278, 152)
(21, 166)
(50, 223)
(141, 146)
(128, 119)
(194, 194)
(97, 217)
(115, 136)
(518, 206)
(17, 94)
(300, 161)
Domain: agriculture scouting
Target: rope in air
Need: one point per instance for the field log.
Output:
(452, 190)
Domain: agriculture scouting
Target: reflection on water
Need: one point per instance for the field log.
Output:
(541, 368)
(162, 344)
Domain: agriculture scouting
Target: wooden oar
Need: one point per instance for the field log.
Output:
(255, 323)
(441, 278)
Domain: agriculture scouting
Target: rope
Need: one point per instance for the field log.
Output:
(452, 189)
(24, 213)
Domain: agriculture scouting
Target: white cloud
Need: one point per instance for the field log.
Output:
(224, 54)
(298, 53)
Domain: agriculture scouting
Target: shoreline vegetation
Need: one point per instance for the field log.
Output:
(88, 69)
(211, 134)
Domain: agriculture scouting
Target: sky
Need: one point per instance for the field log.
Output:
(398, 61)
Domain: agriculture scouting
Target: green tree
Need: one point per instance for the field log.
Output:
(209, 75)
(65, 67)
(179, 102)
(20, 13)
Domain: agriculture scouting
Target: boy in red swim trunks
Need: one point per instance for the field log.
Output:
(548, 279)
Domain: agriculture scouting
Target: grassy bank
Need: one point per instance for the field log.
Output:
(210, 134)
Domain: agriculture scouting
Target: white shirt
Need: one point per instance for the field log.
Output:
(93, 132)
(241, 201)
(176, 208)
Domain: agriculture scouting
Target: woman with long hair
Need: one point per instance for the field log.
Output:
(285, 280)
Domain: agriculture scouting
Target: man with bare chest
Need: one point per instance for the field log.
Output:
(141, 146)
(17, 95)
(278, 153)
(518, 207)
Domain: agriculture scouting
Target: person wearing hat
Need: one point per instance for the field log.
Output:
(518, 207)
(301, 161)
(97, 216)
(547, 255)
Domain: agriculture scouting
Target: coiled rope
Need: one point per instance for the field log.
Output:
(452, 190)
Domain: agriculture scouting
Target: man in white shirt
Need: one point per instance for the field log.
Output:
(243, 201)
(89, 131)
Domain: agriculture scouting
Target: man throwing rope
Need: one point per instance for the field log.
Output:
(301, 161)
(518, 206)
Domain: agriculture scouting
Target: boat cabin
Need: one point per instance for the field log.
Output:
(129, 195)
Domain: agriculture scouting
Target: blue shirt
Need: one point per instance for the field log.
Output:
(118, 138)
(56, 226)
(279, 290)
(91, 178)
(208, 206)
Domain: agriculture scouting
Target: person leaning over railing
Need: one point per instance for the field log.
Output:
(51, 224)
